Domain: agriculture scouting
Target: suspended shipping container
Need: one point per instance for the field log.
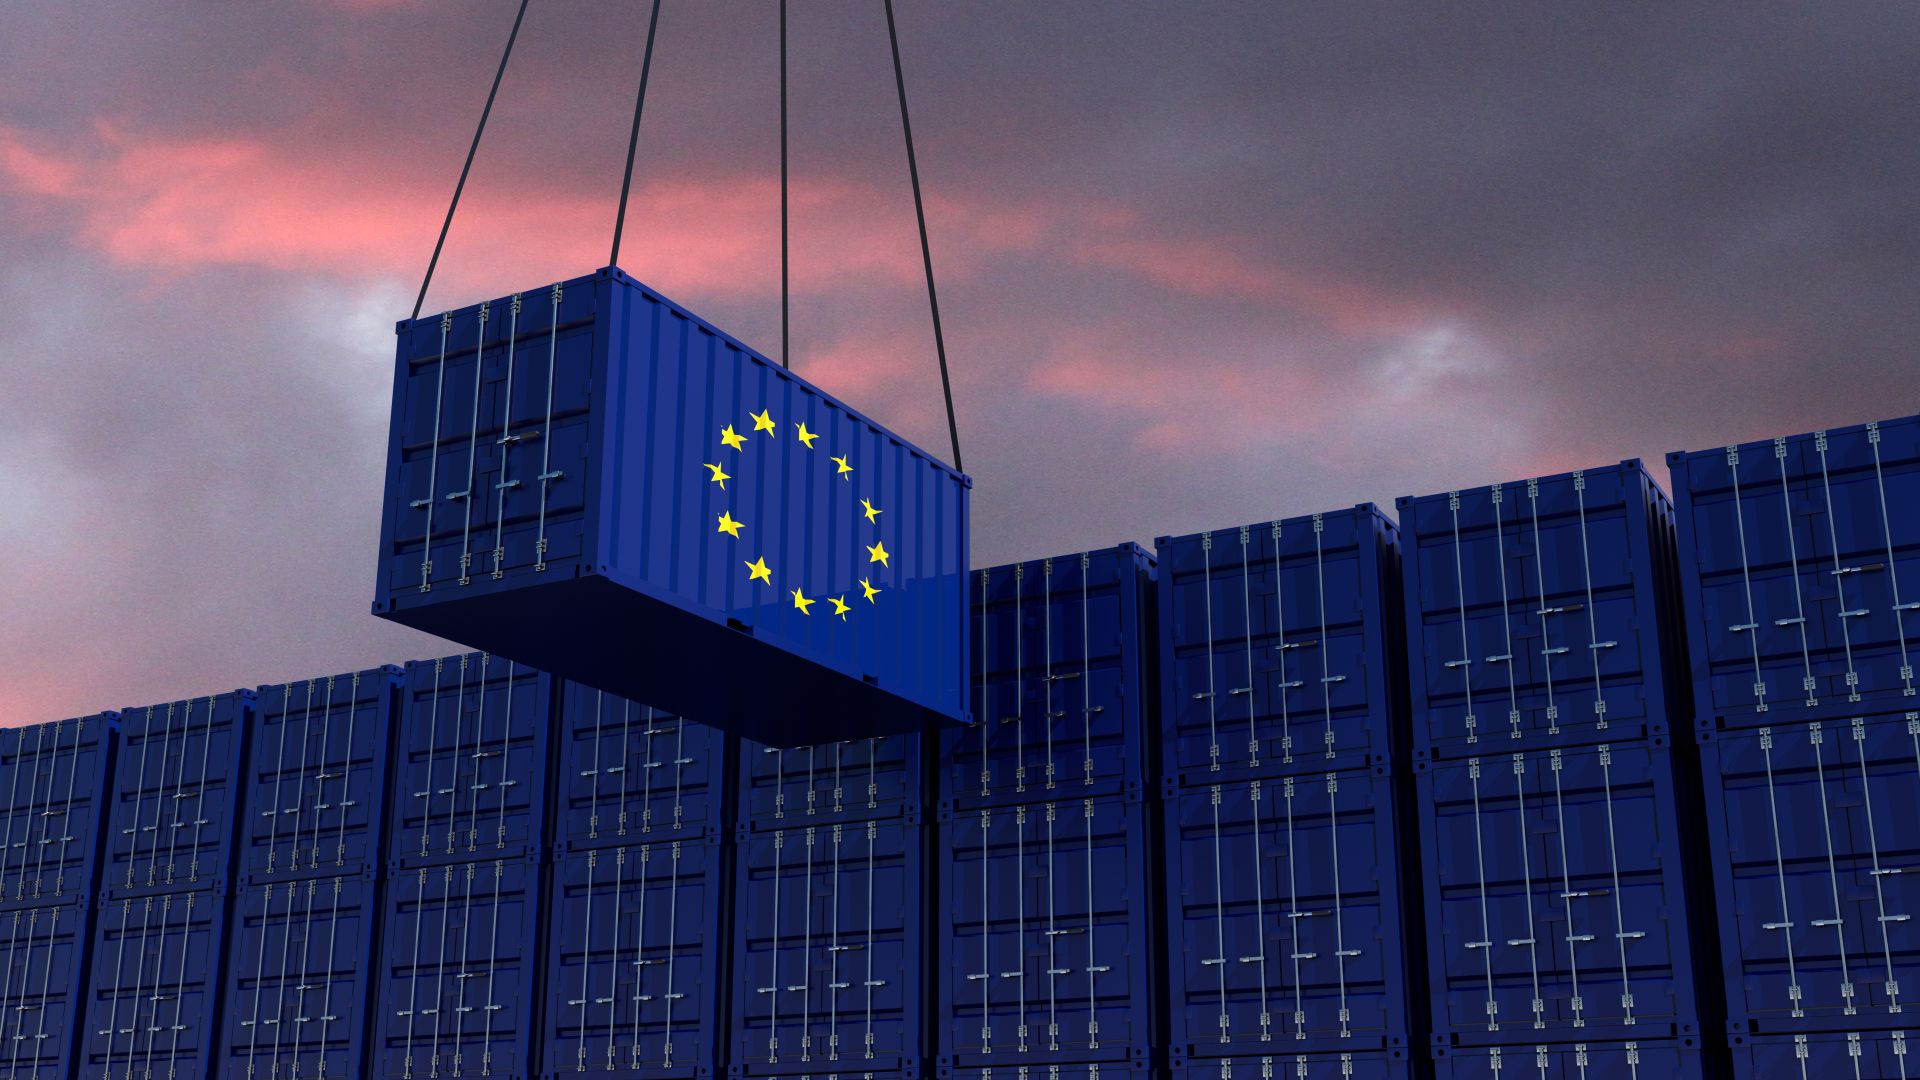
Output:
(1801, 562)
(1557, 897)
(317, 776)
(592, 480)
(1280, 647)
(1812, 826)
(55, 778)
(1543, 612)
(458, 974)
(177, 790)
(1652, 1059)
(1062, 683)
(299, 980)
(1285, 904)
(1852, 1055)
(631, 774)
(635, 960)
(472, 762)
(42, 983)
(860, 779)
(153, 1002)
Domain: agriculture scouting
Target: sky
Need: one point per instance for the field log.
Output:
(1200, 264)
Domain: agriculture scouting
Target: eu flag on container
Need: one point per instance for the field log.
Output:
(589, 479)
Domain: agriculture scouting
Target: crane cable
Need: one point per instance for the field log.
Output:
(633, 138)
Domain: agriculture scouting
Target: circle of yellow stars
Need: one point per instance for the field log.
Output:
(758, 570)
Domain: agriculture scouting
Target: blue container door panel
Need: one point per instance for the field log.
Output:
(633, 975)
(1555, 898)
(1536, 612)
(176, 790)
(55, 780)
(496, 472)
(471, 780)
(1812, 825)
(1653, 1059)
(1092, 1070)
(457, 970)
(1849, 1054)
(830, 960)
(1059, 682)
(632, 774)
(153, 1004)
(1277, 659)
(1048, 954)
(1285, 916)
(297, 991)
(42, 988)
(860, 779)
(317, 774)
(1363, 1065)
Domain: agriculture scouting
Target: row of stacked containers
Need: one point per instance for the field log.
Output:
(1328, 796)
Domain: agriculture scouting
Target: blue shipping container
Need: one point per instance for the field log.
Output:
(298, 981)
(830, 950)
(1801, 562)
(1653, 1059)
(1280, 647)
(601, 484)
(1047, 948)
(1813, 835)
(635, 972)
(153, 1003)
(1543, 612)
(1557, 902)
(1374, 1065)
(1852, 1054)
(458, 975)
(1284, 910)
(317, 776)
(1062, 688)
(630, 774)
(42, 986)
(54, 776)
(470, 779)
(177, 790)
(880, 777)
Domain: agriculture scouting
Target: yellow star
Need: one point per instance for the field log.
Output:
(807, 436)
(758, 570)
(732, 439)
(877, 553)
(762, 421)
(802, 602)
(868, 589)
(728, 525)
(844, 467)
(719, 476)
(873, 513)
(840, 607)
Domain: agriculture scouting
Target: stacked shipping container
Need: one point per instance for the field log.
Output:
(1543, 627)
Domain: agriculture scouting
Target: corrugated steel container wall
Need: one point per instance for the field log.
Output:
(882, 777)
(630, 774)
(299, 981)
(1094, 1070)
(1280, 646)
(635, 972)
(177, 792)
(830, 950)
(1801, 563)
(1375, 1065)
(1062, 683)
(557, 453)
(472, 761)
(1047, 937)
(1813, 838)
(1652, 1059)
(55, 777)
(42, 987)
(1543, 612)
(1285, 907)
(1557, 904)
(1845, 1054)
(153, 1003)
(459, 970)
(317, 776)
